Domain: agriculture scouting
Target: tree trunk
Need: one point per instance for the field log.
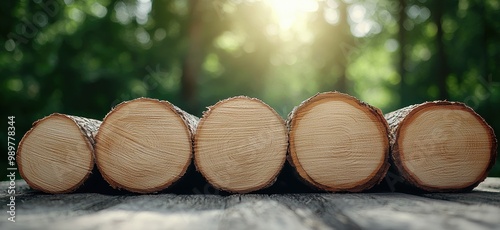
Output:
(57, 154)
(192, 62)
(402, 54)
(442, 63)
(338, 143)
(346, 48)
(144, 145)
(441, 146)
(240, 145)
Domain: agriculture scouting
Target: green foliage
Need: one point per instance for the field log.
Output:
(84, 57)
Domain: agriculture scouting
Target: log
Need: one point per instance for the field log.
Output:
(240, 145)
(144, 145)
(57, 154)
(338, 143)
(441, 146)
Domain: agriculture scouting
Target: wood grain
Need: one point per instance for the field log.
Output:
(144, 145)
(57, 154)
(338, 143)
(240, 145)
(441, 146)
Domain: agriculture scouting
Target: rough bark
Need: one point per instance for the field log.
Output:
(44, 149)
(190, 120)
(461, 120)
(145, 145)
(309, 110)
(240, 145)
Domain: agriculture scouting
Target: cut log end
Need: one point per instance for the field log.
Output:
(240, 145)
(338, 143)
(56, 155)
(144, 145)
(443, 146)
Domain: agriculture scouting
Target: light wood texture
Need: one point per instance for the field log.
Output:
(441, 146)
(478, 209)
(57, 154)
(338, 143)
(240, 145)
(144, 145)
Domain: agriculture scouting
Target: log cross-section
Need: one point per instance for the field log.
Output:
(338, 143)
(144, 145)
(57, 154)
(240, 145)
(441, 146)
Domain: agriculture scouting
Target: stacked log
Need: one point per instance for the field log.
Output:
(334, 141)
(240, 145)
(145, 145)
(441, 146)
(57, 154)
(338, 143)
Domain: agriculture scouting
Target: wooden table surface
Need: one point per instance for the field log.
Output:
(479, 209)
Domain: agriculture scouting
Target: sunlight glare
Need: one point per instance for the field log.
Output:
(357, 13)
(361, 29)
(287, 12)
(360, 23)
(331, 16)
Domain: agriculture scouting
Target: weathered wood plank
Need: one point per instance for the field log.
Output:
(477, 210)
(259, 211)
(405, 211)
(491, 184)
(473, 198)
(487, 192)
(313, 208)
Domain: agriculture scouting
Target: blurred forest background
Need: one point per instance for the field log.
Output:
(84, 57)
